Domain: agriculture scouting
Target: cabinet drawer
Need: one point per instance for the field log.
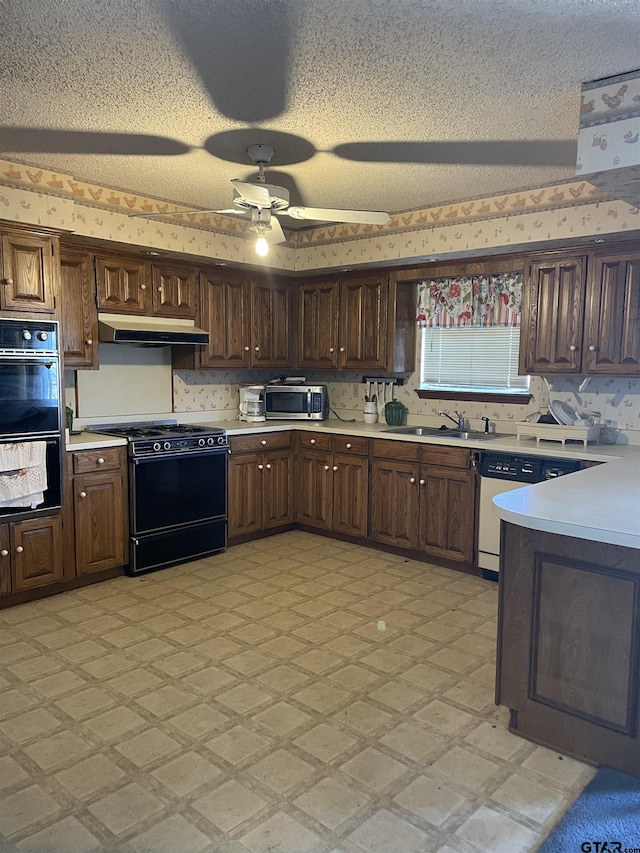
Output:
(350, 444)
(260, 441)
(314, 441)
(404, 451)
(104, 459)
(449, 457)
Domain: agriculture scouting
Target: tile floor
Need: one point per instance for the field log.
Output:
(292, 695)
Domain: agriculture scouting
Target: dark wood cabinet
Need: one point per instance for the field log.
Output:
(175, 291)
(271, 332)
(34, 554)
(333, 483)
(28, 280)
(249, 322)
(553, 316)
(569, 646)
(612, 324)
(357, 322)
(424, 499)
(79, 312)
(123, 284)
(96, 511)
(581, 315)
(260, 484)
(318, 324)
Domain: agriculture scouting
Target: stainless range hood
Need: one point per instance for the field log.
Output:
(149, 331)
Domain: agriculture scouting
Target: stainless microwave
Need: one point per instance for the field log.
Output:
(308, 402)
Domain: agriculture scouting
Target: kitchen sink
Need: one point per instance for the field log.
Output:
(435, 432)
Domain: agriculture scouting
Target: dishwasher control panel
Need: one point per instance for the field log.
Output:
(524, 469)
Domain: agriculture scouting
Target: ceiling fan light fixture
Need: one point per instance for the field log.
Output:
(262, 247)
(261, 229)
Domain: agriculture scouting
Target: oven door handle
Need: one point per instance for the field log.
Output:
(200, 451)
(29, 362)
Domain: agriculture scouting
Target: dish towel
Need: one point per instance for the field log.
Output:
(23, 473)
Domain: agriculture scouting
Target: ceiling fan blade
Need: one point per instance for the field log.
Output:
(151, 214)
(254, 43)
(231, 211)
(363, 217)
(489, 152)
(276, 235)
(41, 140)
(253, 193)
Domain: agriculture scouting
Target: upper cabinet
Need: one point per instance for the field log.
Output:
(175, 291)
(249, 322)
(29, 276)
(612, 325)
(79, 312)
(357, 322)
(123, 284)
(581, 315)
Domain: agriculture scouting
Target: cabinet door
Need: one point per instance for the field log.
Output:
(245, 494)
(100, 523)
(318, 325)
(552, 316)
(79, 313)
(270, 324)
(364, 322)
(36, 547)
(447, 513)
(612, 326)
(175, 291)
(5, 560)
(122, 285)
(27, 282)
(225, 315)
(394, 503)
(350, 494)
(277, 489)
(315, 490)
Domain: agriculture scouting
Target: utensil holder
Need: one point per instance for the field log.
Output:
(370, 414)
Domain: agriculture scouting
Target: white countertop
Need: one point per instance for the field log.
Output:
(93, 441)
(600, 504)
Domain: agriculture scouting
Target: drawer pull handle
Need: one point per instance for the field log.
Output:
(19, 549)
(260, 467)
(264, 441)
(100, 460)
(312, 441)
(326, 467)
(341, 349)
(268, 466)
(143, 287)
(89, 342)
(422, 482)
(4, 553)
(83, 494)
(412, 479)
(348, 446)
(335, 467)
(246, 349)
(331, 349)
(8, 281)
(592, 348)
(573, 348)
(257, 349)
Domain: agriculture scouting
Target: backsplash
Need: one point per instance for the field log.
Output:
(617, 399)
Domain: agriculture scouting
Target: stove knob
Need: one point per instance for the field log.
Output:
(211, 441)
(42, 336)
(26, 335)
(221, 439)
(201, 442)
(167, 445)
(157, 445)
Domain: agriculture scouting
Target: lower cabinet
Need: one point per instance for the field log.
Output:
(260, 483)
(30, 554)
(333, 483)
(424, 499)
(96, 511)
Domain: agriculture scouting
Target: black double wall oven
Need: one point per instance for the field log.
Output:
(30, 413)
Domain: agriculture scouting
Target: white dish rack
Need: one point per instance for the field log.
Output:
(558, 432)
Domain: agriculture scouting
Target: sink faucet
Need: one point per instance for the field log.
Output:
(459, 422)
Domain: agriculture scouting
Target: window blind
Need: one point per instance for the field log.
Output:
(472, 358)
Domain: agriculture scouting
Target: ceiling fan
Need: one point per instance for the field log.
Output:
(262, 201)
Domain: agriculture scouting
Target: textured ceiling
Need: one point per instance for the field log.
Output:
(310, 77)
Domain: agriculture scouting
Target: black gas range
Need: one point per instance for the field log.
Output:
(177, 492)
(150, 439)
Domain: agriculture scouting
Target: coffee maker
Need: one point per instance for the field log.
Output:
(251, 406)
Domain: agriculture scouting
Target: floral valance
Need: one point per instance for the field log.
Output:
(478, 300)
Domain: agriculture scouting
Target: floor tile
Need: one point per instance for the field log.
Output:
(330, 802)
(429, 798)
(67, 834)
(284, 834)
(186, 773)
(487, 829)
(57, 749)
(93, 774)
(466, 768)
(325, 742)
(229, 805)
(123, 809)
(238, 744)
(24, 808)
(387, 832)
(148, 746)
(374, 769)
(281, 770)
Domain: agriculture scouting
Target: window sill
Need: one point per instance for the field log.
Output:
(478, 396)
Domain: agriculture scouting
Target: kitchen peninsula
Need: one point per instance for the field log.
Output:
(569, 613)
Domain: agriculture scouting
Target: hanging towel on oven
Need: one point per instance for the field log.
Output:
(23, 473)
